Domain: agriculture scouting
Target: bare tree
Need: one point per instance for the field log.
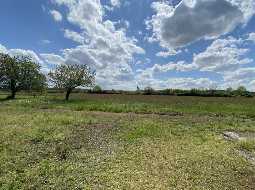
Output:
(69, 77)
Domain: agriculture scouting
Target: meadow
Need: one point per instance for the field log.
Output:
(102, 141)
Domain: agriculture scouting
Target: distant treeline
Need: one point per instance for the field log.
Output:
(241, 91)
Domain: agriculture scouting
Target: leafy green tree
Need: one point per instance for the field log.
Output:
(69, 77)
(241, 90)
(97, 89)
(229, 89)
(148, 90)
(20, 73)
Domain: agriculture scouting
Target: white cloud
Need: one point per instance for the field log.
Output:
(56, 15)
(189, 22)
(247, 7)
(116, 3)
(3, 49)
(52, 59)
(146, 61)
(157, 69)
(226, 57)
(244, 74)
(127, 24)
(221, 56)
(84, 13)
(22, 52)
(168, 53)
(190, 83)
(45, 42)
(252, 37)
(175, 83)
(75, 36)
(240, 77)
(103, 47)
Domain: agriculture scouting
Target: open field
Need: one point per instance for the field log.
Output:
(125, 142)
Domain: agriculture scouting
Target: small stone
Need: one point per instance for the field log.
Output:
(231, 136)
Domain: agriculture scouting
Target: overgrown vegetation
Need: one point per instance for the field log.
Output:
(110, 139)
(153, 142)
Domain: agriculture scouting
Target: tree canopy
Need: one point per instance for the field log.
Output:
(20, 73)
(69, 77)
(97, 89)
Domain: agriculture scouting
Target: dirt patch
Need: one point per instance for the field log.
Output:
(138, 113)
(100, 126)
(93, 137)
(160, 113)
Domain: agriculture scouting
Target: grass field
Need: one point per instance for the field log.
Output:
(125, 142)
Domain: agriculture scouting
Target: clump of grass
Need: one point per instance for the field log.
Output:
(248, 144)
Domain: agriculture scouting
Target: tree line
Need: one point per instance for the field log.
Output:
(229, 92)
(22, 73)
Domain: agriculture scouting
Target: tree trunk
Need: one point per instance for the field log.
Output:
(13, 90)
(68, 92)
(12, 96)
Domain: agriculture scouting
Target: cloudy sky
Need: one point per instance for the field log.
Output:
(158, 43)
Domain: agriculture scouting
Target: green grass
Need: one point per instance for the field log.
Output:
(142, 104)
(248, 145)
(124, 142)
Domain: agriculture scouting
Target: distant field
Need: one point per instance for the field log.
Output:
(125, 142)
(141, 103)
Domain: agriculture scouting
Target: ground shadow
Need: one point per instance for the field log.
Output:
(5, 99)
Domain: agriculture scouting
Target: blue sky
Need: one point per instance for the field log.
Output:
(162, 44)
